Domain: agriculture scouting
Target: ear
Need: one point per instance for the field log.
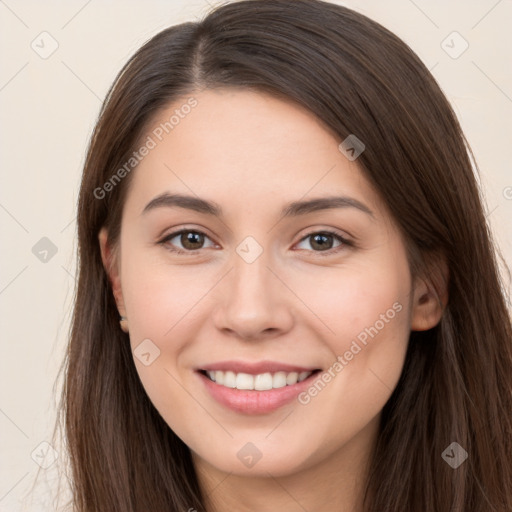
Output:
(430, 296)
(111, 265)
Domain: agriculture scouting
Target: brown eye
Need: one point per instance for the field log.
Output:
(322, 241)
(189, 239)
(192, 240)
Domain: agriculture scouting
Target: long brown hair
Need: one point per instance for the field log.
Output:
(357, 78)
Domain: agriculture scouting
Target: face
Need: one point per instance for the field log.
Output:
(260, 286)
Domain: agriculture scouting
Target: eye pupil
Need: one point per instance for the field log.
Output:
(191, 237)
(317, 240)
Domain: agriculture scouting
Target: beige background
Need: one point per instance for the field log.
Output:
(48, 109)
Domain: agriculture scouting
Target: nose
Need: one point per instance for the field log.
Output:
(254, 301)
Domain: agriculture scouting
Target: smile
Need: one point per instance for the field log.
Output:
(259, 382)
(260, 393)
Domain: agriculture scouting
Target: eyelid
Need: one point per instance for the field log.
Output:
(344, 241)
(173, 234)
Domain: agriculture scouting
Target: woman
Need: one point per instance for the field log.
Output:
(288, 296)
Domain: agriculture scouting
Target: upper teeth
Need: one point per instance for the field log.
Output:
(259, 382)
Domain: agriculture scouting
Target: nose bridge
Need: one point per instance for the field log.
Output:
(256, 300)
(252, 288)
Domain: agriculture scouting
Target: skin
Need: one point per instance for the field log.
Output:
(252, 153)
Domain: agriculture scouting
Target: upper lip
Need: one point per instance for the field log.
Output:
(255, 368)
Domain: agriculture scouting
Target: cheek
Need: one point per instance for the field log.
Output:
(162, 303)
(166, 305)
(372, 337)
(368, 315)
(162, 299)
(364, 315)
(358, 304)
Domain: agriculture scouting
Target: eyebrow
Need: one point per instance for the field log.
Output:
(293, 209)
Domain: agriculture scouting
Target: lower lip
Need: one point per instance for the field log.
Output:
(256, 402)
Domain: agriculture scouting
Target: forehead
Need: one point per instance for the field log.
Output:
(242, 146)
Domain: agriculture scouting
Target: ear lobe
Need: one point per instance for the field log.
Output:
(430, 297)
(111, 265)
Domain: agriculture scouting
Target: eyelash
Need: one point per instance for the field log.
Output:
(344, 242)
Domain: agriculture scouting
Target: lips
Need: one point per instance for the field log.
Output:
(252, 402)
(255, 368)
(255, 387)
